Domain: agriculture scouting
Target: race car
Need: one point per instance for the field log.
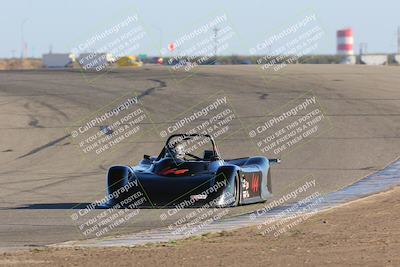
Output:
(177, 177)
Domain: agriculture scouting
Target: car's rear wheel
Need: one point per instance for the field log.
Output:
(236, 191)
(269, 181)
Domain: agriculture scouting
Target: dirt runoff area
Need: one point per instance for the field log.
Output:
(365, 232)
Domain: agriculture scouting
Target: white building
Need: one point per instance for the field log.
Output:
(58, 60)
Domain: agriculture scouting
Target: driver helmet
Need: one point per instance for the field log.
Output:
(179, 151)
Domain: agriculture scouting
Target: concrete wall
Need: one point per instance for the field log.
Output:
(397, 58)
(374, 59)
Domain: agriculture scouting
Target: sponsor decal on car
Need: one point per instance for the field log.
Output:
(198, 197)
(251, 185)
(176, 171)
(255, 182)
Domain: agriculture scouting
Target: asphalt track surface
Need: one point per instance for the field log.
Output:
(44, 174)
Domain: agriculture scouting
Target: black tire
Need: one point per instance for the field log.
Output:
(269, 181)
(117, 178)
(236, 191)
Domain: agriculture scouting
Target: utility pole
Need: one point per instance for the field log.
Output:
(398, 40)
(215, 30)
(23, 44)
(160, 34)
(363, 48)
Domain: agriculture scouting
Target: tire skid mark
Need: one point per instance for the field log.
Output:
(149, 91)
(40, 148)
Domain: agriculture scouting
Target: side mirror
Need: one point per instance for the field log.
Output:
(146, 157)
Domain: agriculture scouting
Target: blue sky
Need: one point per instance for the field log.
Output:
(63, 23)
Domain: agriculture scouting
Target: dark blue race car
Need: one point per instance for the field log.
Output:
(179, 178)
